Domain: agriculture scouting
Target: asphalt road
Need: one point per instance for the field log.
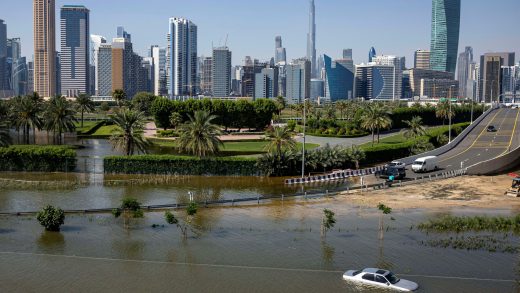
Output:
(481, 145)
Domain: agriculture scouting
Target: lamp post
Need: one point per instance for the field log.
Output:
(449, 115)
(303, 146)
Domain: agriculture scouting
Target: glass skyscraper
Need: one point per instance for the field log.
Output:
(445, 35)
(339, 84)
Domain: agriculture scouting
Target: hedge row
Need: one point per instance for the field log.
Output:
(180, 165)
(388, 152)
(31, 158)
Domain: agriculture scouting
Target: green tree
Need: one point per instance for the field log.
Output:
(175, 119)
(142, 101)
(25, 115)
(119, 96)
(327, 222)
(385, 210)
(130, 208)
(281, 104)
(330, 112)
(356, 155)
(60, 117)
(85, 105)
(415, 128)
(5, 138)
(280, 140)
(129, 133)
(443, 111)
(342, 106)
(200, 136)
(376, 117)
(104, 107)
(162, 109)
(51, 218)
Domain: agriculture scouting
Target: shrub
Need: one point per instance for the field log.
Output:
(291, 124)
(51, 218)
(180, 165)
(33, 158)
(167, 133)
(192, 208)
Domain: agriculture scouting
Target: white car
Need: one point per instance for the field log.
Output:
(425, 164)
(380, 278)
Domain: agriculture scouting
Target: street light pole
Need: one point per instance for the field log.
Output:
(449, 117)
(303, 146)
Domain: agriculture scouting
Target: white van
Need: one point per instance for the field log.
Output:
(425, 164)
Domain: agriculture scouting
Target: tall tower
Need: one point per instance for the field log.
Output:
(44, 47)
(221, 72)
(75, 40)
(371, 54)
(445, 35)
(182, 52)
(3, 55)
(464, 71)
(311, 39)
(95, 43)
(279, 54)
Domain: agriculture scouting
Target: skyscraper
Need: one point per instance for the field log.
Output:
(75, 40)
(104, 70)
(445, 35)
(221, 72)
(374, 81)
(339, 84)
(182, 52)
(14, 48)
(397, 63)
(206, 80)
(280, 55)
(19, 77)
(3, 56)
(95, 44)
(421, 59)
(347, 54)
(266, 83)
(44, 47)
(298, 81)
(491, 74)
(463, 71)
(159, 66)
(311, 39)
(371, 54)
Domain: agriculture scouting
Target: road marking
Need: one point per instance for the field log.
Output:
(478, 137)
(512, 134)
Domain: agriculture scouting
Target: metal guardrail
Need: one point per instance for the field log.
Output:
(336, 175)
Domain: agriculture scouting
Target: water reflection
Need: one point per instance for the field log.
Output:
(51, 242)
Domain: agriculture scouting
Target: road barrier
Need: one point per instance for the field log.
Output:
(334, 176)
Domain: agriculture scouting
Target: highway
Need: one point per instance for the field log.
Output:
(481, 145)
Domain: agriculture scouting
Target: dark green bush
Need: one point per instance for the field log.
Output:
(33, 158)
(167, 133)
(51, 218)
(180, 165)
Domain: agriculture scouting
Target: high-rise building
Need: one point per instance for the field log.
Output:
(397, 63)
(347, 54)
(30, 77)
(279, 54)
(445, 35)
(463, 72)
(19, 77)
(421, 59)
(376, 82)
(57, 77)
(416, 75)
(339, 82)
(121, 33)
(249, 71)
(3, 56)
(159, 66)
(95, 44)
(44, 47)
(266, 83)
(221, 72)
(75, 40)
(104, 70)
(206, 80)
(439, 88)
(298, 81)
(511, 82)
(182, 52)
(311, 39)
(371, 54)
(317, 89)
(491, 74)
(14, 48)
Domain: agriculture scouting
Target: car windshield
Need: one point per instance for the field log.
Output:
(392, 278)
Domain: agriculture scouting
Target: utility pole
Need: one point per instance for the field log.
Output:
(303, 146)
(449, 116)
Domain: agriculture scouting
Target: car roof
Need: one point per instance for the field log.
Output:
(375, 271)
(425, 158)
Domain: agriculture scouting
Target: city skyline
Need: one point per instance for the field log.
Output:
(293, 27)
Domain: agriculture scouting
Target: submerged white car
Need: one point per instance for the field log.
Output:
(380, 278)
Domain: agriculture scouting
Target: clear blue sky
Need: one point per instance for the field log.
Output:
(395, 27)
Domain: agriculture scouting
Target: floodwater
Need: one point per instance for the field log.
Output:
(273, 247)
(266, 248)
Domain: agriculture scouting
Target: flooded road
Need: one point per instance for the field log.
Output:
(267, 248)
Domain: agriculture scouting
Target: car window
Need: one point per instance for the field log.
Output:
(369, 277)
(356, 273)
(381, 279)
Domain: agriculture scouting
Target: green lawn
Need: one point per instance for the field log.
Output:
(236, 146)
(105, 130)
(87, 125)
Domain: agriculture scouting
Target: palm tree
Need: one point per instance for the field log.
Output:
(280, 104)
(280, 139)
(342, 106)
(443, 111)
(375, 118)
(175, 119)
(60, 116)
(119, 96)
(356, 155)
(84, 104)
(330, 112)
(25, 114)
(5, 138)
(200, 136)
(415, 128)
(129, 134)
